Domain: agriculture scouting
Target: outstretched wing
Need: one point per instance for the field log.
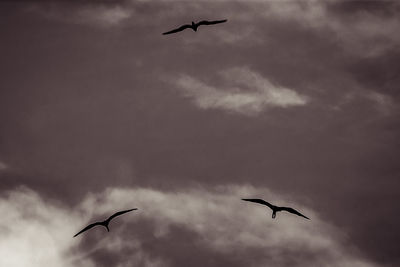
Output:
(206, 22)
(90, 226)
(259, 201)
(291, 210)
(181, 28)
(119, 213)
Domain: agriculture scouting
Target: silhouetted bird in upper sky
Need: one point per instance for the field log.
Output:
(104, 223)
(274, 208)
(194, 26)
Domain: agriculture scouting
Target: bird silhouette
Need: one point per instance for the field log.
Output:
(274, 208)
(194, 26)
(105, 222)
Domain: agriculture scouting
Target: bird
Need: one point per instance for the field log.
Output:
(274, 208)
(194, 25)
(105, 222)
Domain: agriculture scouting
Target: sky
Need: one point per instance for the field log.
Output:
(294, 102)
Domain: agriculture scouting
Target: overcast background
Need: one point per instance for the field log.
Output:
(295, 102)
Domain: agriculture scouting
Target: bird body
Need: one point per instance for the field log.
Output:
(274, 208)
(194, 25)
(104, 223)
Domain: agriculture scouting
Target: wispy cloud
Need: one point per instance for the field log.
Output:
(37, 232)
(91, 14)
(3, 166)
(242, 91)
(364, 33)
(106, 16)
(383, 103)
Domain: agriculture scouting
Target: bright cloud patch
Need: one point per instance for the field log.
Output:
(35, 233)
(215, 222)
(243, 91)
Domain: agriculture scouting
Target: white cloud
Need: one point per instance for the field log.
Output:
(35, 233)
(243, 91)
(39, 233)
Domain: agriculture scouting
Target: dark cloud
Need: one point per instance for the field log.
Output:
(87, 102)
(349, 8)
(378, 74)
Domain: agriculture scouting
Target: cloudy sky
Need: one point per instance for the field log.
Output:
(295, 102)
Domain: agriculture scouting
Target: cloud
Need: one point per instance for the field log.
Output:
(34, 232)
(107, 16)
(383, 103)
(242, 91)
(356, 28)
(220, 222)
(37, 233)
(360, 31)
(96, 14)
(216, 222)
(3, 166)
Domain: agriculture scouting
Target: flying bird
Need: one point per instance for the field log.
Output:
(194, 26)
(274, 208)
(104, 223)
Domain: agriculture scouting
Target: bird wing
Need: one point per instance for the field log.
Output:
(88, 227)
(291, 210)
(181, 28)
(206, 22)
(259, 201)
(119, 213)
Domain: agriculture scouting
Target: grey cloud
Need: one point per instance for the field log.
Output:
(212, 220)
(217, 220)
(97, 14)
(364, 33)
(3, 166)
(104, 16)
(383, 103)
(78, 114)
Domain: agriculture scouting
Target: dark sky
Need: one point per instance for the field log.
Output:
(295, 102)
